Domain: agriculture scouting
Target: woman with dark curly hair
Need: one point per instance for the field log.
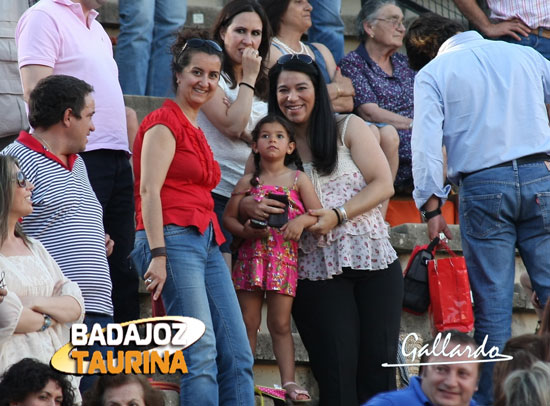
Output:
(29, 381)
(123, 390)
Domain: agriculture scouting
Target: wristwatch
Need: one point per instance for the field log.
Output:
(47, 322)
(426, 215)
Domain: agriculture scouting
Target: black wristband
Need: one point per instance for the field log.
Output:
(338, 216)
(158, 252)
(427, 215)
(247, 85)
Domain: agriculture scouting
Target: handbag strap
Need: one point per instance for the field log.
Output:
(444, 245)
(432, 245)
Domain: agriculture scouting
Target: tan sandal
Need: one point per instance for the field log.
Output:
(293, 391)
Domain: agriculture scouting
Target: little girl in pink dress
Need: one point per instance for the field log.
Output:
(267, 264)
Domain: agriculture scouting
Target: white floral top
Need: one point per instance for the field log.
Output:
(361, 243)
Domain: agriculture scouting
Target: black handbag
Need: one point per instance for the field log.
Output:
(416, 297)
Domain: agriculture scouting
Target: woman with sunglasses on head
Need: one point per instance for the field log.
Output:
(350, 286)
(178, 235)
(240, 99)
(290, 20)
(40, 303)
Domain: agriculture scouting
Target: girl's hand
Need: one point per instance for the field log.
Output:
(156, 276)
(3, 293)
(326, 221)
(293, 230)
(251, 65)
(250, 208)
(254, 233)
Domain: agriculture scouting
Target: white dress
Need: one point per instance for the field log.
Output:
(32, 275)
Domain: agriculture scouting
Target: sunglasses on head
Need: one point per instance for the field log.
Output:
(200, 43)
(21, 179)
(301, 57)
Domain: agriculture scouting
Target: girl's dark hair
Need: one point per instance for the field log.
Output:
(228, 12)
(275, 9)
(7, 186)
(289, 159)
(322, 131)
(30, 376)
(181, 59)
(96, 395)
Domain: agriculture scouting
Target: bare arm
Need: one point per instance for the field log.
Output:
(231, 220)
(159, 147)
(373, 113)
(31, 75)
(294, 228)
(232, 120)
(476, 16)
(369, 158)
(340, 89)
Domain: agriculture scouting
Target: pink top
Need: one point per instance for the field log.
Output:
(534, 13)
(55, 33)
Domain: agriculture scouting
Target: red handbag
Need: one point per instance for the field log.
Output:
(451, 303)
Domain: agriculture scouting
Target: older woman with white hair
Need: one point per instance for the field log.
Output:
(383, 81)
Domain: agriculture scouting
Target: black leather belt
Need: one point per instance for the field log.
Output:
(541, 156)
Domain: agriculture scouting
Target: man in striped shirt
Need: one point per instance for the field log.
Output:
(67, 218)
(524, 22)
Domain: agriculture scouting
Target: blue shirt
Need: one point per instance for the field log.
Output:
(485, 101)
(410, 396)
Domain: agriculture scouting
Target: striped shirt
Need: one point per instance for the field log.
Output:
(534, 13)
(67, 219)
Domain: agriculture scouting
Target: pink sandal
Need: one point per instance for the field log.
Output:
(293, 391)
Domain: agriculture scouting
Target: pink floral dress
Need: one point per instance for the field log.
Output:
(270, 263)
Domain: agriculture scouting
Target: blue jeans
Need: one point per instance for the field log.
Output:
(500, 209)
(327, 26)
(199, 285)
(90, 319)
(147, 29)
(539, 43)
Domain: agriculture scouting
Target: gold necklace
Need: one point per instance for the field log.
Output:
(42, 142)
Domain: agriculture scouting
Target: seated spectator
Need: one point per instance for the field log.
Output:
(290, 20)
(525, 350)
(41, 302)
(439, 384)
(123, 390)
(529, 386)
(384, 82)
(30, 383)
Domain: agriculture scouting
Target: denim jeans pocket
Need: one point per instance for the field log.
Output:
(140, 257)
(543, 201)
(481, 214)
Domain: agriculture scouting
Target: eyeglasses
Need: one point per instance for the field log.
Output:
(199, 43)
(394, 21)
(21, 179)
(301, 57)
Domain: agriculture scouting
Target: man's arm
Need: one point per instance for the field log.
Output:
(477, 17)
(31, 75)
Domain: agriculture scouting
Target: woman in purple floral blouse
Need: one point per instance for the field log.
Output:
(382, 78)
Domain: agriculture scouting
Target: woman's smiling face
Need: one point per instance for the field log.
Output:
(295, 96)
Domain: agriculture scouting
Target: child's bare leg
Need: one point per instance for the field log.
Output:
(251, 308)
(389, 142)
(279, 307)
